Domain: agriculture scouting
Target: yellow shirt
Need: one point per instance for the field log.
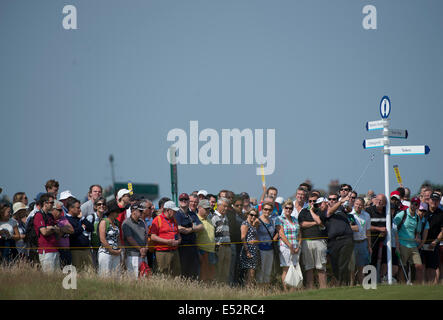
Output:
(206, 237)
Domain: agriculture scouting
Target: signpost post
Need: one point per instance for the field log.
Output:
(385, 110)
(173, 165)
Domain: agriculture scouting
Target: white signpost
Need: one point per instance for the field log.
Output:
(373, 143)
(385, 110)
(374, 125)
(398, 133)
(408, 150)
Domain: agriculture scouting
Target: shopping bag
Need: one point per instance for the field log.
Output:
(294, 277)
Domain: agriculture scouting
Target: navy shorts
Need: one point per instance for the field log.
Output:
(431, 259)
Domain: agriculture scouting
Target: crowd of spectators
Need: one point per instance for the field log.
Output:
(227, 237)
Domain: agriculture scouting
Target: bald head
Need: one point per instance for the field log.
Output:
(380, 201)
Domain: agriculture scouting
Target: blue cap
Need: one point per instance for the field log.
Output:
(38, 196)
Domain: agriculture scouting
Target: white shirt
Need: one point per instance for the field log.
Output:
(363, 221)
(295, 213)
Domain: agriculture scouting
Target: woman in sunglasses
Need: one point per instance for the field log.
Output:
(249, 255)
(99, 212)
(267, 233)
(290, 239)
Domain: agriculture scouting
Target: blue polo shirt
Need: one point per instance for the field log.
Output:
(186, 220)
(412, 224)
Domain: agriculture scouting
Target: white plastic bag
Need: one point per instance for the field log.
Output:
(294, 277)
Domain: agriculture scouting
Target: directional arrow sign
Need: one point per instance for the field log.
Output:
(374, 125)
(398, 133)
(404, 150)
(385, 107)
(373, 143)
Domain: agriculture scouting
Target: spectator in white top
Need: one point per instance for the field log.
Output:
(362, 237)
(95, 191)
(300, 201)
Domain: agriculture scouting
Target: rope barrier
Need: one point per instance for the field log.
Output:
(181, 245)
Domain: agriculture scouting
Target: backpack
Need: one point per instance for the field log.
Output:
(31, 237)
(95, 237)
(403, 219)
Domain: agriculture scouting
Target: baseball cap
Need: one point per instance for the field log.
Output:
(37, 197)
(138, 205)
(279, 200)
(171, 205)
(415, 200)
(435, 195)
(18, 206)
(204, 204)
(203, 192)
(423, 206)
(183, 196)
(121, 193)
(320, 200)
(65, 195)
(395, 194)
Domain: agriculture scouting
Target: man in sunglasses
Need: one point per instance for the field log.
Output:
(345, 190)
(188, 225)
(312, 222)
(46, 230)
(340, 237)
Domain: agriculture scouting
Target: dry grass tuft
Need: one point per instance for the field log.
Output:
(23, 281)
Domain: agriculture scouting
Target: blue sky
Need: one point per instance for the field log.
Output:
(135, 70)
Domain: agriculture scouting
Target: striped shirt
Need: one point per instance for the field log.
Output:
(291, 230)
(221, 226)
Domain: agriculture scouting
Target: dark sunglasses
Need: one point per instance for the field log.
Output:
(345, 189)
(100, 204)
(310, 201)
(184, 199)
(289, 208)
(332, 199)
(254, 215)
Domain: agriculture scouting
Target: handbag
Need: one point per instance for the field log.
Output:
(143, 270)
(294, 277)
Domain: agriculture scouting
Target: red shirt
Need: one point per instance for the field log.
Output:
(121, 218)
(166, 229)
(48, 243)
